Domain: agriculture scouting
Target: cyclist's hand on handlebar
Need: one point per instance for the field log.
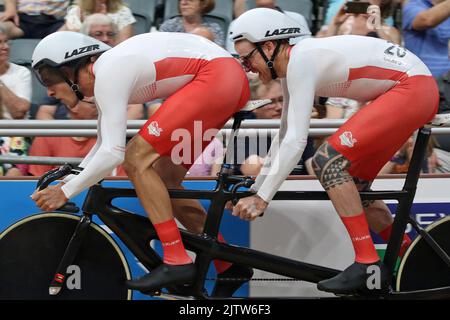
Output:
(229, 206)
(50, 198)
(250, 208)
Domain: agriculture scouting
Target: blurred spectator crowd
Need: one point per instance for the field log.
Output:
(421, 26)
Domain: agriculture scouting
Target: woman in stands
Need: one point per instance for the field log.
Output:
(192, 14)
(15, 83)
(120, 14)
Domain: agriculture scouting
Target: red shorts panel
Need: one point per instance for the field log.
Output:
(189, 119)
(376, 132)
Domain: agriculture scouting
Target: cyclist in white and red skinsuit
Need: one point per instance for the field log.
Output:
(203, 86)
(403, 96)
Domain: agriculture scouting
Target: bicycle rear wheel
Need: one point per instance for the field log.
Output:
(31, 250)
(421, 268)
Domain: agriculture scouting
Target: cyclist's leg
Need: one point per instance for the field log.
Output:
(379, 216)
(332, 169)
(189, 212)
(178, 130)
(177, 267)
(359, 149)
(150, 188)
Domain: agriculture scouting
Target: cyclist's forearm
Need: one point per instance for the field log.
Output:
(100, 166)
(267, 161)
(283, 163)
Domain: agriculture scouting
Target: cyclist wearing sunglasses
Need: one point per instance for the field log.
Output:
(403, 98)
(182, 69)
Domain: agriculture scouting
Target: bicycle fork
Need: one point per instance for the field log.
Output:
(69, 255)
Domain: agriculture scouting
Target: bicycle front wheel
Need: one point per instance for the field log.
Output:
(31, 250)
(421, 267)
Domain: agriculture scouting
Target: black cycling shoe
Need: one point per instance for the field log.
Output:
(355, 280)
(162, 276)
(226, 289)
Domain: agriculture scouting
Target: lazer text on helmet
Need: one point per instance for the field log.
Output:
(82, 50)
(282, 31)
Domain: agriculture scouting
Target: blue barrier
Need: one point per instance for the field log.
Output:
(17, 205)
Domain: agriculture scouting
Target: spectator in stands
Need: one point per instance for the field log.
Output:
(204, 32)
(240, 7)
(333, 7)
(372, 24)
(442, 142)
(13, 146)
(208, 163)
(119, 13)
(426, 30)
(77, 147)
(399, 163)
(33, 19)
(192, 16)
(101, 27)
(15, 83)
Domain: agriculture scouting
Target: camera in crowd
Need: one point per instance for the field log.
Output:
(356, 7)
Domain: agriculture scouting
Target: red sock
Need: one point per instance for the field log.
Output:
(362, 242)
(173, 248)
(386, 234)
(221, 266)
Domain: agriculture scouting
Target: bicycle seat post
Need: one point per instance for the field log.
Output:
(405, 203)
(227, 167)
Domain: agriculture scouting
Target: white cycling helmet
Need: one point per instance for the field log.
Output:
(64, 48)
(263, 24)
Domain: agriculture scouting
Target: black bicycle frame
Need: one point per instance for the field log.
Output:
(136, 231)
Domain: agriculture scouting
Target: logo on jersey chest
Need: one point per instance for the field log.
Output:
(282, 31)
(347, 139)
(81, 50)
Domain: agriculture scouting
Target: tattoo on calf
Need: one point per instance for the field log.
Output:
(330, 167)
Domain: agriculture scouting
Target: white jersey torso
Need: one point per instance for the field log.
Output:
(354, 67)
